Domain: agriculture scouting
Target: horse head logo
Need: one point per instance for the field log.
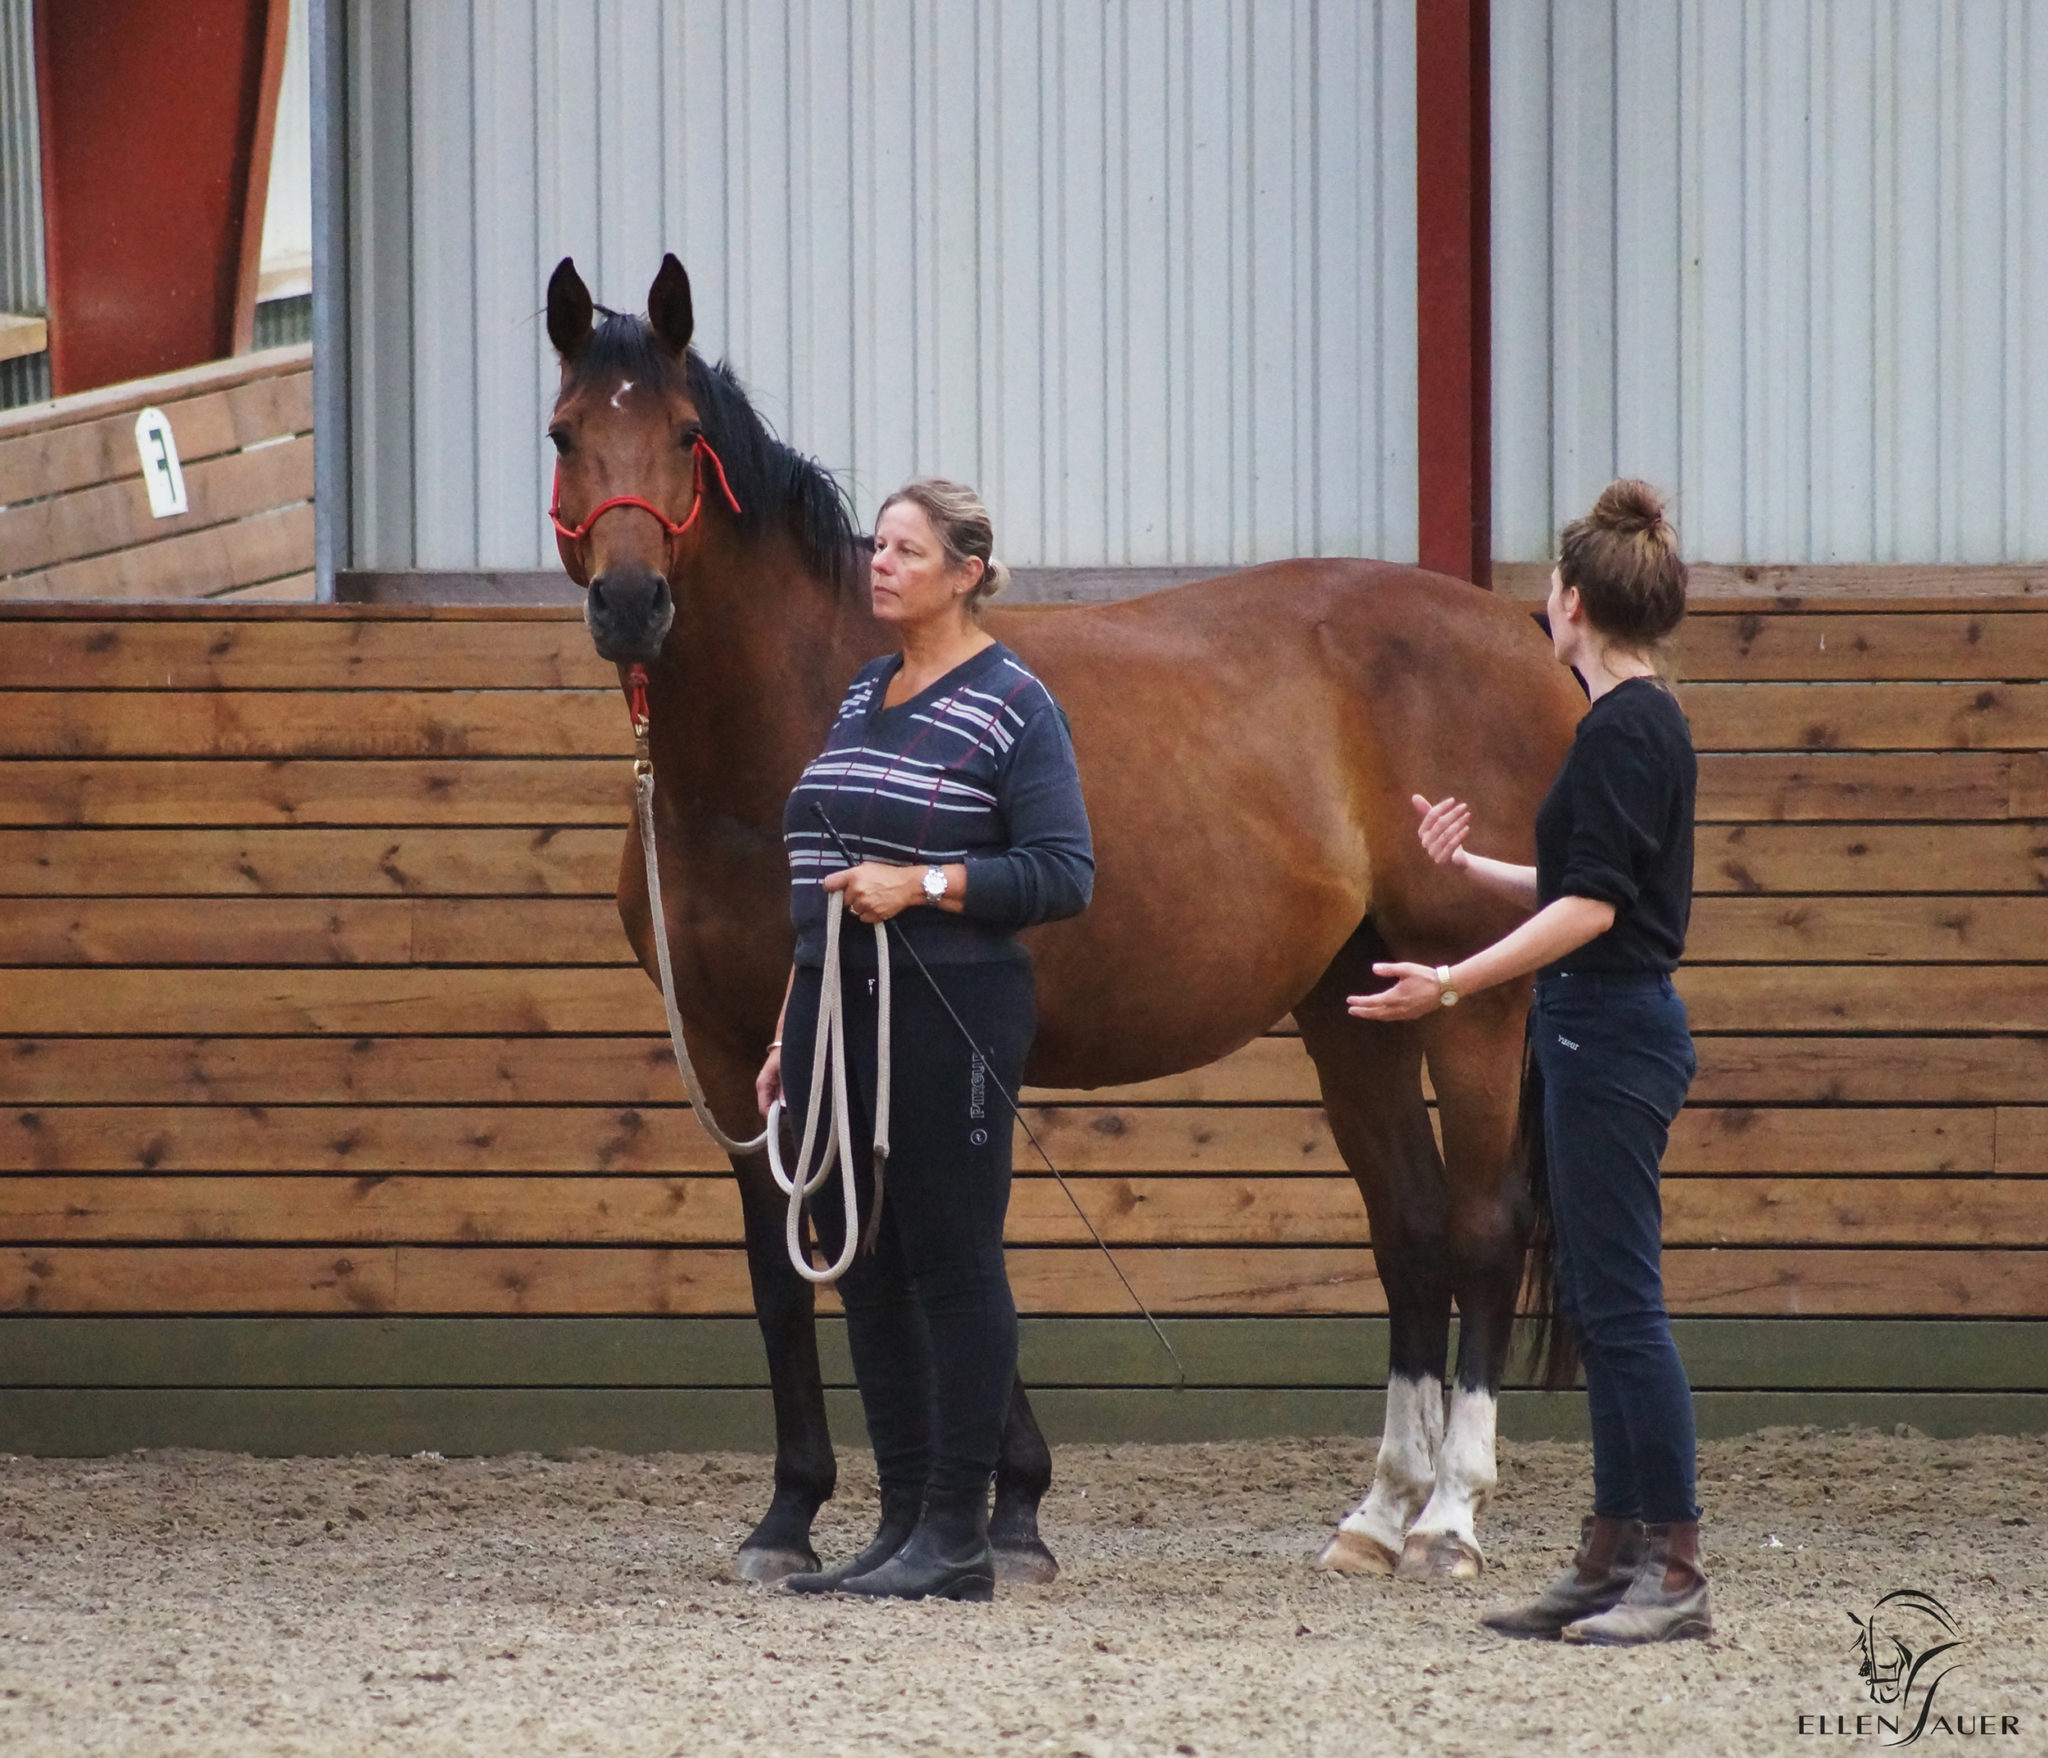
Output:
(1901, 1649)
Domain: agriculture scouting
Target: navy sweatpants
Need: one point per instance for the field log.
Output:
(1616, 1060)
(929, 1316)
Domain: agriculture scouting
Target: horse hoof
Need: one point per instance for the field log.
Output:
(1352, 1553)
(1025, 1564)
(1439, 1556)
(765, 1567)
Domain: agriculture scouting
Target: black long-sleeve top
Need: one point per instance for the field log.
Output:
(977, 768)
(1617, 826)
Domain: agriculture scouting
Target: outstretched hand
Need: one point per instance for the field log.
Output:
(1443, 828)
(1414, 992)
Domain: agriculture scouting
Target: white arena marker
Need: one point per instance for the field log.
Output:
(160, 472)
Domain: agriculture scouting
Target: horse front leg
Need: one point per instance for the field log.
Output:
(1475, 1060)
(785, 1306)
(1023, 1474)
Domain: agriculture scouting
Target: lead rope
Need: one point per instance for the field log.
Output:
(830, 1042)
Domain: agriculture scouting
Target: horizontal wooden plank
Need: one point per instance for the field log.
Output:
(267, 551)
(300, 723)
(353, 1069)
(230, 931)
(1881, 1282)
(1822, 588)
(2023, 1139)
(1773, 788)
(1736, 1069)
(351, 1003)
(2030, 784)
(1134, 1211)
(92, 521)
(1868, 930)
(1790, 647)
(1798, 858)
(22, 333)
(231, 792)
(1950, 1070)
(88, 452)
(1865, 998)
(162, 390)
(372, 1140)
(1867, 717)
(568, 1280)
(398, 862)
(360, 652)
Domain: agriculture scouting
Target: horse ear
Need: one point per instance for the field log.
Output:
(569, 309)
(668, 305)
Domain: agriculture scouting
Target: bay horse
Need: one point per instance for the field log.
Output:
(1248, 747)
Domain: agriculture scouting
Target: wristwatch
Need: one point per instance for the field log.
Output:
(1449, 996)
(934, 884)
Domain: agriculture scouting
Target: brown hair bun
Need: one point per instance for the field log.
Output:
(1623, 559)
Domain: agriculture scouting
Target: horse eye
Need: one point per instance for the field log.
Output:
(561, 438)
(689, 436)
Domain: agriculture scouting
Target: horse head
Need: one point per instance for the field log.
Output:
(632, 466)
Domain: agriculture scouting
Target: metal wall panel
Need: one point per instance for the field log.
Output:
(1788, 259)
(1145, 273)
(22, 287)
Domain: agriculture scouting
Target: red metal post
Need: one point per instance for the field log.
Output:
(156, 124)
(1453, 308)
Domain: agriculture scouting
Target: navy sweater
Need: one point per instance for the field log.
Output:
(1617, 826)
(977, 768)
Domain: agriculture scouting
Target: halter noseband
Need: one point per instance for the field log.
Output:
(700, 449)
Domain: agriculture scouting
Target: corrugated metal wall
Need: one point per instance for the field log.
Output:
(1788, 258)
(1144, 272)
(26, 378)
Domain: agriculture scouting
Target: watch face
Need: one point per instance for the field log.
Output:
(934, 882)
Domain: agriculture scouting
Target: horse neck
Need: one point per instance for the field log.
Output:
(761, 653)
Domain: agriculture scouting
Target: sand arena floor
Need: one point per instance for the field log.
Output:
(211, 1604)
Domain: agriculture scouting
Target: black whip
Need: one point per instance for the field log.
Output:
(903, 940)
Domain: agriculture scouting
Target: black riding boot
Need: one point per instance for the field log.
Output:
(899, 1520)
(948, 1556)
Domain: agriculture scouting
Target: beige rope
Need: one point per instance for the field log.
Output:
(828, 1063)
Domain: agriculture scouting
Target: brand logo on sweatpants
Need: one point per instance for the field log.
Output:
(1566, 1042)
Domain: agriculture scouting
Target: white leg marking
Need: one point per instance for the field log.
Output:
(1465, 1475)
(1407, 1467)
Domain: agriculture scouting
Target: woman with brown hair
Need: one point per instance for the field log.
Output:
(1612, 894)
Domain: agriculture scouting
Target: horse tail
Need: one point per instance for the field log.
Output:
(1552, 1350)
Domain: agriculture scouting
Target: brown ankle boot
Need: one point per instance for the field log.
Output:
(1667, 1601)
(1610, 1552)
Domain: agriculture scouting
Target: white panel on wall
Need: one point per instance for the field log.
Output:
(1786, 258)
(1145, 272)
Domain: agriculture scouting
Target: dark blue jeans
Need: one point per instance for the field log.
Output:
(1616, 1060)
(929, 1317)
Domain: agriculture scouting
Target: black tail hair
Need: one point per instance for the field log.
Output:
(1552, 1349)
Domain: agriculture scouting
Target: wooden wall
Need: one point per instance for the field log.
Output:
(323, 1064)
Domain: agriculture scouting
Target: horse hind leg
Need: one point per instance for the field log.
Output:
(1475, 1058)
(1023, 1475)
(1371, 1077)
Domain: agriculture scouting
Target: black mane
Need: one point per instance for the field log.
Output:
(773, 483)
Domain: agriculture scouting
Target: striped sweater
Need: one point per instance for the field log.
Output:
(977, 768)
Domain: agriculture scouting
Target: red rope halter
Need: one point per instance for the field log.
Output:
(700, 449)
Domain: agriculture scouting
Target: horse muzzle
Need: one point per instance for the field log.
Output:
(629, 612)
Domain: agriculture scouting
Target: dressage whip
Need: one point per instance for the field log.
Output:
(829, 1064)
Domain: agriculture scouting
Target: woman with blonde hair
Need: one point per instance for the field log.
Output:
(1612, 895)
(949, 777)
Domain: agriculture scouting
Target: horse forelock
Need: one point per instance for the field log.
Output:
(775, 485)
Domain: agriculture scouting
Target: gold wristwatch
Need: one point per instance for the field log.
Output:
(1448, 995)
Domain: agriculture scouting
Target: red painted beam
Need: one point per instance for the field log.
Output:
(156, 131)
(1453, 309)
